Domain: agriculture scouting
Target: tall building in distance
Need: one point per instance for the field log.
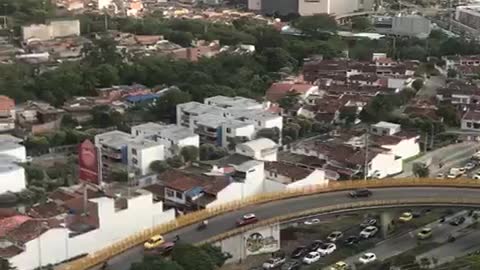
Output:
(310, 7)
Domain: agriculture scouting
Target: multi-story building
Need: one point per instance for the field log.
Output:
(122, 152)
(51, 30)
(12, 176)
(224, 120)
(405, 25)
(7, 113)
(173, 137)
(310, 7)
(469, 16)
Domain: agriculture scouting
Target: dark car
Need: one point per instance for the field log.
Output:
(299, 252)
(293, 265)
(457, 221)
(315, 245)
(351, 240)
(368, 222)
(360, 193)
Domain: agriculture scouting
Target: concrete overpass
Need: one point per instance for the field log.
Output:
(283, 206)
(346, 18)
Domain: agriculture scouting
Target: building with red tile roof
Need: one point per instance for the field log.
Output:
(279, 90)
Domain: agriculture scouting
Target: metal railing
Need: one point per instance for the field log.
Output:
(195, 217)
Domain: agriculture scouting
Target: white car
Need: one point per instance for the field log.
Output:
(368, 258)
(334, 236)
(273, 263)
(440, 176)
(326, 249)
(476, 176)
(312, 221)
(368, 232)
(311, 258)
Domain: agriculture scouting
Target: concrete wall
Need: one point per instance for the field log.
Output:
(54, 246)
(267, 240)
(255, 5)
(384, 165)
(311, 7)
(405, 149)
(57, 28)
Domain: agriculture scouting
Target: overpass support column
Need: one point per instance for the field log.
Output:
(386, 223)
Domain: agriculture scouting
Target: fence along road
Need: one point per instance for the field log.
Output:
(275, 205)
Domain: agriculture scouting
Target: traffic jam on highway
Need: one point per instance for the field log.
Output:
(317, 250)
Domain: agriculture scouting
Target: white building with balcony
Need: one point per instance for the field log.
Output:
(173, 137)
(212, 120)
(141, 153)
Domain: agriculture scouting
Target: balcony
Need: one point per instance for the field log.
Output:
(110, 153)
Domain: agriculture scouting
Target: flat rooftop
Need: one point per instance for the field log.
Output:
(114, 139)
(173, 132)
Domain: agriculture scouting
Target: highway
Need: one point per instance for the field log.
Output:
(226, 222)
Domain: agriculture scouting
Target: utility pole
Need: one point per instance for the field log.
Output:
(426, 142)
(432, 136)
(365, 169)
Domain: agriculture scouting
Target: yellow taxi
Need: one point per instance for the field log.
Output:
(154, 242)
(340, 266)
(406, 217)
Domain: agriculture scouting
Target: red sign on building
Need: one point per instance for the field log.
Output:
(87, 157)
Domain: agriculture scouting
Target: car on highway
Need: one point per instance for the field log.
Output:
(312, 221)
(334, 236)
(363, 192)
(299, 252)
(315, 245)
(424, 233)
(367, 258)
(311, 257)
(406, 217)
(368, 232)
(476, 176)
(340, 266)
(247, 219)
(368, 222)
(351, 240)
(154, 242)
(326, 249)
(162, 250)
(440, 176)
(457, 221)
(470, 166)
(274, 262)
(455, 172)
(293, 265)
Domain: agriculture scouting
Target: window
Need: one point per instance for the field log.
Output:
(134, 161)
(134, 151)
(169, 193)
(229, 130)
(469, 124)
(179, 195)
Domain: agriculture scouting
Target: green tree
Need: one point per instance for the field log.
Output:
(316, 25)
(119, 176)
(165, 108)
(211, 152)
(159, 166)
(417, 84)
(452, 73)
(420, 170)
(361, 24)
(289, 101)
(155, 263)
(216, 254)
(176, 161)
(192, 258)
(183, 39)
(101, 116)
(106, 75)
(449, 114)
(276, 58)
(6, 265)
(348, 115)
(269, 133)
(189, 153)
(34, 173)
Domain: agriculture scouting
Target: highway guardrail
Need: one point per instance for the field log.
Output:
(198, 216)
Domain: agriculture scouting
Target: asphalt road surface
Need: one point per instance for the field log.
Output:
(405, 242)
(226, 222)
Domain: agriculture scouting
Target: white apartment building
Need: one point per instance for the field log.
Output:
(36, 243)
(385, 128)
(12, 176)
(120, 151)
(334, 7)
(141, 153)
(173, 137)
(234, 117)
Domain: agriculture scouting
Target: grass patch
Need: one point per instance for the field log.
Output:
(414, 157)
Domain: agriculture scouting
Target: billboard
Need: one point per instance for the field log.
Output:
(263, 240)
(88, 162)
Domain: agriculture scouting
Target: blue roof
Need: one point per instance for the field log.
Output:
(141, 98)
(194, 191)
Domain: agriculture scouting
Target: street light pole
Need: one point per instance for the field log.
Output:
(365, 169)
